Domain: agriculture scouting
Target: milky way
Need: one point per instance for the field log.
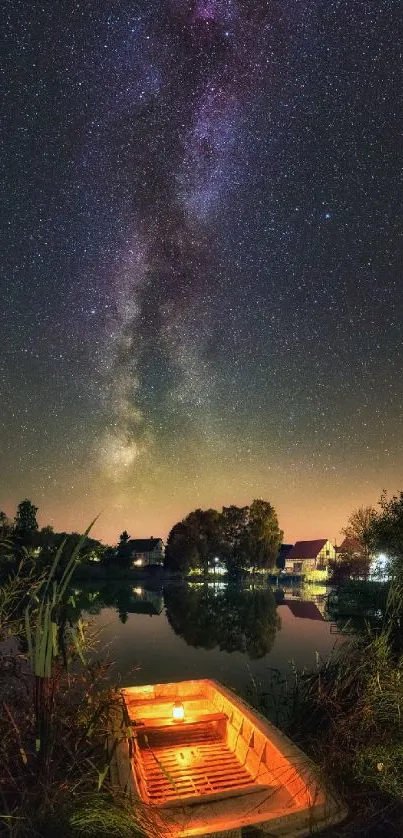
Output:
(184, 166)
(202, 289)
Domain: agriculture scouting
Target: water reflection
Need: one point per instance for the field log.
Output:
(307, 602)
(125, 598)
(183, 632)
(232, 619)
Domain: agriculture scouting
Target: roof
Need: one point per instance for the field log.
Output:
(304, 610)
(306, 549)
(143, 545)
(350, 546)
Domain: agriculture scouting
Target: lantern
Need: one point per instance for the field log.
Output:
(178, 712)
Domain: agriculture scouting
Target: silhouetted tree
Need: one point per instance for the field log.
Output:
(25, 518)
(385, 532)
(234, 522)
(5, 524)
(355, 555)
(108, 557)
(204, 527)
(123, 553)
(264, 534)
(180, 553)
(242, 537)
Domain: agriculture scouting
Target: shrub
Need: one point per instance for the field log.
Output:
(348, 715)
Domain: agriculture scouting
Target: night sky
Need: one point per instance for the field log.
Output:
(201, 281)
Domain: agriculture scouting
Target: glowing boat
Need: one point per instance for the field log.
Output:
(205, 763)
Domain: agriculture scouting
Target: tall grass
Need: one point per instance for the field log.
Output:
(56, 715)
(348, 715)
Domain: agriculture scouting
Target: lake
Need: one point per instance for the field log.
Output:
(248, 637)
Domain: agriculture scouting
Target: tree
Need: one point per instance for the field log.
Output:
(355, 555)
(385, 532)
(243, 537)
(264, 534)
(5, 525)
(234, 523)
(108, 557)
(25, 519)
(123, 552)
(180, 553)
(356, 531)
(204, 527)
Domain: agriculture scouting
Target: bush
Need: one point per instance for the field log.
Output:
(348, 716)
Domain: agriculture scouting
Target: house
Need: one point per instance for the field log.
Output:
(146, 551)
(308, 556)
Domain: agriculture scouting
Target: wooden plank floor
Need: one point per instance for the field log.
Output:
(174, 770)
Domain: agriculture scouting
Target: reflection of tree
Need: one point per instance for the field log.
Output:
(235, 620)
(119, 595)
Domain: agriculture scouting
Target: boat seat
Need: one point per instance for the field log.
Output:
(152, 725)
(163, 699)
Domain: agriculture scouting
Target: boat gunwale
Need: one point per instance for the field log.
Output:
(325, 807)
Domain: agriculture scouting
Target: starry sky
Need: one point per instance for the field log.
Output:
(201, 272)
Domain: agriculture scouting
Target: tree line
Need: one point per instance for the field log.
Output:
(21, 539)
(242, 538)
(368, 534)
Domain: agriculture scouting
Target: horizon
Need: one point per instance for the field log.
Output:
(104, 532)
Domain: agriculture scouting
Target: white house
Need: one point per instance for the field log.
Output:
(146, 551)
(307, 556)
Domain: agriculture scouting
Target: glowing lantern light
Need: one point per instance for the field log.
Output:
(178, 711)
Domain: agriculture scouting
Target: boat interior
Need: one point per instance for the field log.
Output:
(195, 742)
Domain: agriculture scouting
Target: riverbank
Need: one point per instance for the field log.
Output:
(345, 714)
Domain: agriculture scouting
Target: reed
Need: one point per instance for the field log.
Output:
(348, 715)
(56, 712)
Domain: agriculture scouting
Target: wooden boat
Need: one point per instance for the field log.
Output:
(204, 763)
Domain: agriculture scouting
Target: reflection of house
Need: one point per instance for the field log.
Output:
(146, 551)
(145, 602)
(308, 556)
(304, 610)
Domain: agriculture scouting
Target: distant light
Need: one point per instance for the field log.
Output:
(138, 562)
(178, 712)
(138, 591)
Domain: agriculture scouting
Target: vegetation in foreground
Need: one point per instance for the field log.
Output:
(347, 715)
(55, 719)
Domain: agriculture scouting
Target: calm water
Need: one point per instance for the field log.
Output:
(237, 636)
